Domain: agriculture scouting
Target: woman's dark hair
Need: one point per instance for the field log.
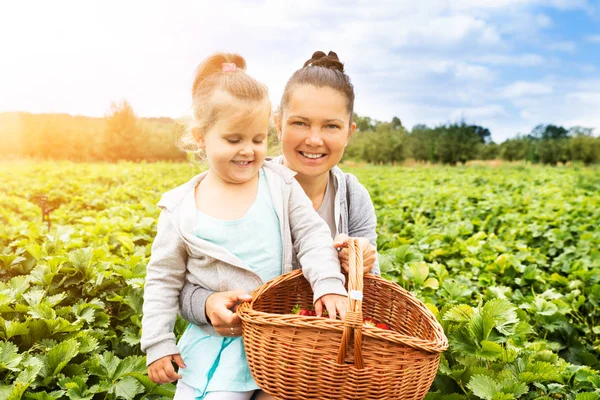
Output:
(322, 70)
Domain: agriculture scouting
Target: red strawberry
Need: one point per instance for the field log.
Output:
(381, 325)
(369, 322)
(307, 312)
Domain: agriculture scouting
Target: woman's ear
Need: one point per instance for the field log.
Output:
(351, 130)
(277, 122)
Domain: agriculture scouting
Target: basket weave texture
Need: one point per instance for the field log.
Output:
(302, 357)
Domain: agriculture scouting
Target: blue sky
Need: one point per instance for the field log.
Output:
(507, 65)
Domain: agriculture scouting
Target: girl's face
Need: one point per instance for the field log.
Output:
(236, 151)
(314, 129)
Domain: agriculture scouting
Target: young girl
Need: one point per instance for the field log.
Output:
(232, 227)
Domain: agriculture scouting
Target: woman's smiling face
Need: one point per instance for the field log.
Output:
(314, 129)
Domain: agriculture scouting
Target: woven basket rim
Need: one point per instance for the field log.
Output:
(301, 321)
(437, 345)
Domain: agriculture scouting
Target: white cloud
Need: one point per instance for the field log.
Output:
(566, 46)
(523, 60)
(425, 62)
(492, 111)
(523, 89)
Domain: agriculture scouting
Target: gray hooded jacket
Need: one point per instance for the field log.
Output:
(354, 216)
(178, 256)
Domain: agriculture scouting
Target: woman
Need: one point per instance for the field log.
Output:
(314, 125)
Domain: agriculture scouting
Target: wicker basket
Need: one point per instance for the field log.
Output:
(301, 357)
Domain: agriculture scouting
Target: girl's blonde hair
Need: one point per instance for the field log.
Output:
(220, 92)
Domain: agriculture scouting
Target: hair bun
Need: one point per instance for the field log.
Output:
(213, 65)
(330, 61)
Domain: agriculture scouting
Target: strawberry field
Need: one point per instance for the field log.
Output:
(508, 258)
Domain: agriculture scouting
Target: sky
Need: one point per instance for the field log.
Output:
(507, 65)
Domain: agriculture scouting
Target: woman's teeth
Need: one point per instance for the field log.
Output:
(312, 155)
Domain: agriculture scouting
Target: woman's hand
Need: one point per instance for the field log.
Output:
(220, 310)
(162, 370)
(369, 252)
(334, 304)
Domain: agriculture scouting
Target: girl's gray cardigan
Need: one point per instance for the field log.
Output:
(178, 256)
(354, 215)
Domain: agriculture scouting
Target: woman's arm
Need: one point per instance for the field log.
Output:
(313, 245)
(362, 221)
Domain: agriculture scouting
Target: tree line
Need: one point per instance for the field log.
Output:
(454, 143)
(121, 135)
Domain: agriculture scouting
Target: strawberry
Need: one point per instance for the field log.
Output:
(382, 325)
(369, 322)
(307, 312)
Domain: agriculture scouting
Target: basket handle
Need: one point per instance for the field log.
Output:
(354, 320)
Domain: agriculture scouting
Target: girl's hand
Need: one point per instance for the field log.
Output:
(334, 304)
(162, 370)
(220, 310)
(369, 252)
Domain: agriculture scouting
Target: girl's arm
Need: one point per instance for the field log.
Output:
(314, 246)
(165, 275)
(362, 221)
(192, 302)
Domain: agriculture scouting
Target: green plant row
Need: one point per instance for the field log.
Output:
(507, 258)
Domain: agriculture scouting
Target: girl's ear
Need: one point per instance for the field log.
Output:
(277, 122)
(199, 137)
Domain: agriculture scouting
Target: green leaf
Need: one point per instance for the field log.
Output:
(517, 389)
(61, 325)
(42, 311)
(489, 350)
(58, 357)
(58, 394)
(152, 388)
(501, 314)
(35, 250)
(129, 365)
(104, 365)
(24, 380)
(126, 388)
(587, 396)
(76, 388)
(9, 356)
(10, 329)
(483, 386)
(431, 283)
(418, 271)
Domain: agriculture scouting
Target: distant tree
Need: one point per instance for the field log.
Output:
(549, 132)
(423, 143)
(364, 124)
(583, 146)
(396, 123)
(122, 133)
(488, 151)
(484, 134)
(457, 143)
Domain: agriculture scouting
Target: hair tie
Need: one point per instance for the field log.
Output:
(229, 67)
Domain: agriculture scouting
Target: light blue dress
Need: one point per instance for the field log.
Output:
(215, 363)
